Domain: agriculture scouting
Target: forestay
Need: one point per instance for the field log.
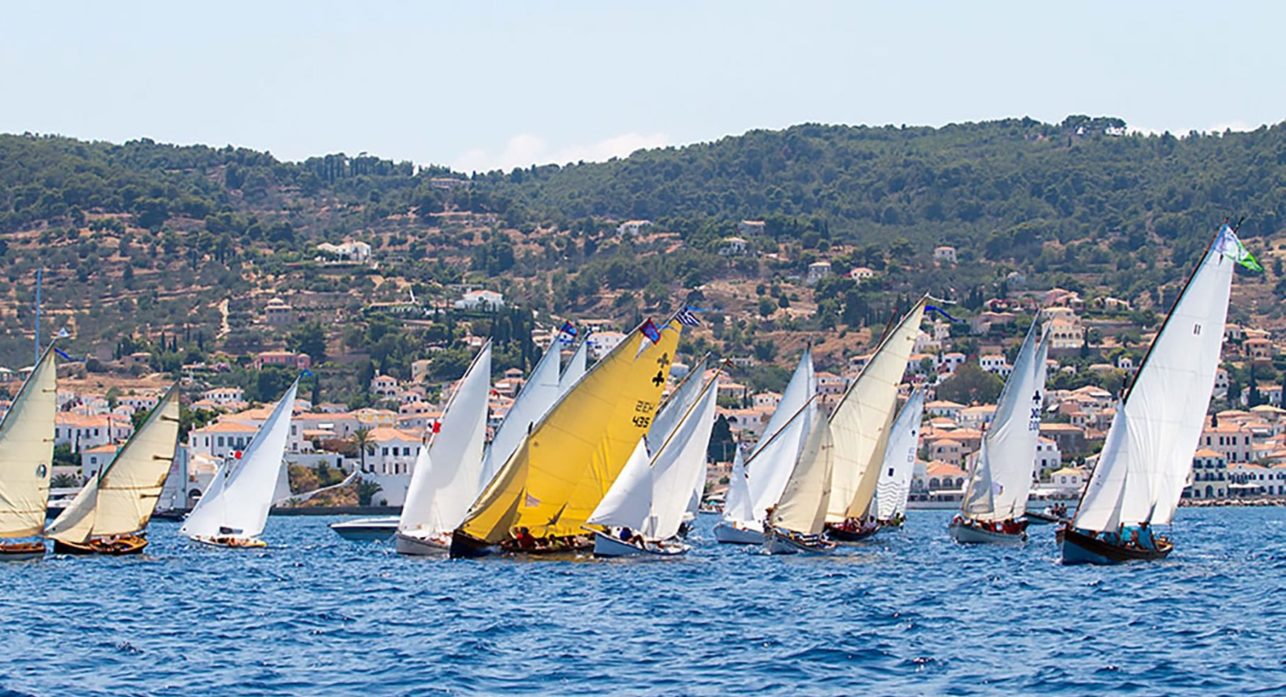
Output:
(241, 494)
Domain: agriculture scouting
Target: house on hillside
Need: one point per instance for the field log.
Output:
(944, 254)
(481, 300)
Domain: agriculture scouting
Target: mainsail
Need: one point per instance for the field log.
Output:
(651, 498)
(27, 452)
(448, 472)
(774, 456)
(898, 467)
(863, 417)
(120, 499)
(1000, 481)
(736, 503)
(1147, 454)
(803, 503)
(241, 493)
(538, 394)
(676, 407)
(561, 471)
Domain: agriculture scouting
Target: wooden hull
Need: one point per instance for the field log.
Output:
(21, 551)
(1079, 548)
(431, 546)
(231, 542)
(730, 534)
(366, 529)
(125, 544)
(974, 535)
(778, 542)
(608, 546)
(840, 534)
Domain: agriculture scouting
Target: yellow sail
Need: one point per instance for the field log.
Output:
(861, 420)
(121, 498)
(553, 482)
(27, 452)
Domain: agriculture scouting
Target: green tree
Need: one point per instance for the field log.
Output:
(309, 338)
(969, 384)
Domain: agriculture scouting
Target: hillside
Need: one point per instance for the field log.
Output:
(177, 250)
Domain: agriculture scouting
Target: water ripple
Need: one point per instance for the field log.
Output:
(907, 613)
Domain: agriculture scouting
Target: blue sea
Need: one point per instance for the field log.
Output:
(907, 613)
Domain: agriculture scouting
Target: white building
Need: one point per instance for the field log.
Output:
(1048, 457)
(481, 300)
(348, 250)
(817, 271)
(944, 254)
(225, 395)
(390, 458)
(602, 343)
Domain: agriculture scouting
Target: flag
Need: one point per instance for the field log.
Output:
(568, 328)
(437, 427)
(935, 308)
(63, 354)
(650, 331)
(530, 501)
(1230, 246)
(688, 318)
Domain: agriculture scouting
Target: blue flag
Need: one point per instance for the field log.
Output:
(940, 311)
(650, 331)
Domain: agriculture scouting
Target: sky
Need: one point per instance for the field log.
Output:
(498, 84)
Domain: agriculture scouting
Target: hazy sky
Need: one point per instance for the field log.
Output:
(495, 84)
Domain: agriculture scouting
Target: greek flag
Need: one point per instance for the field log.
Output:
(688, 318)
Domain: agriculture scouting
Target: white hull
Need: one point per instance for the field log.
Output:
(730, 534)
(608, 546)
(967, 535)
(777, 543)
(230, 541)
(437, 546)
(366, 529)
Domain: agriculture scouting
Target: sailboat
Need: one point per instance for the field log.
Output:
(234, 510)
(173, 504)
(770, 463)
(898, 468)
(644, 508)
(794, 524)
(542, 497)
(1000, 480)
(860, 427)
(1147, 454)
(448, 472)
(26, 461)
(114, 507)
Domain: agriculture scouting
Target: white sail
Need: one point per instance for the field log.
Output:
(673, 410)
(628, 502)
(680, 463)
(803, 503)
(862, 418)
(736, 504)
(575, 368)
(537, 396)
(120, 499)
(899, 459)
(240, 496)
(27, 452)
(770, 463)
(174, 495)
(1147, 455)
(448, 473)
(1001, 478)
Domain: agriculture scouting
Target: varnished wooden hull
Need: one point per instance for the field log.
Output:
(849, 535)
(21, 551)
(1079, 548)
(128, 544)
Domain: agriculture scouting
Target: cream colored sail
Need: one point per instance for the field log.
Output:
(561, 471)
(803, 503)
(121, 498)
(861, 421)
(27, 452)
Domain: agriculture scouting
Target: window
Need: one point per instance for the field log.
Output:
(220, 440)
